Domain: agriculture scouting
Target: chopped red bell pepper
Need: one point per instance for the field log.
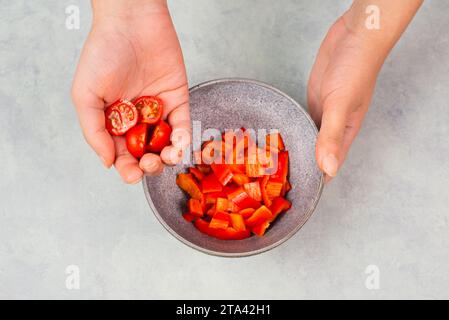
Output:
(253, 190)
(211, 198)
(204, 168)
(273, 189)
(282, 168)
(189, 217)
(263, 189)
(238, 198)
(279, 205)
(259, 230)
(222, 172)
(187, 183)
(221, 205)
(231, 234)
(242, 199)
(210, 184)
(196, 173)
(220, 220)
(237, 221)
(195, 207)
(259, 216)
(237, 168)
(240, 178)
(276, 139)
(246, 213)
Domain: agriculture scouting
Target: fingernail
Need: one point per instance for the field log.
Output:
(103, 160)
(330, 165)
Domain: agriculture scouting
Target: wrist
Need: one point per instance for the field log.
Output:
(126, 9)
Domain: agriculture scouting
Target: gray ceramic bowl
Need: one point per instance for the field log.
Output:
(231, 104)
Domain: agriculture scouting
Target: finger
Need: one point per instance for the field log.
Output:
(179, 120)
(151, 164)
(171, 155)
(126, 165)
(330, 139)
(90, 109)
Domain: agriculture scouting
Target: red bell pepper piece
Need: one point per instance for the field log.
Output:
(187, 183)
(222, 172)
(273, 189)
(246, 213)
(211, 198)
(242, 199)
(263, 189)
(189, 217)
(261, 215)
(253, 190)
(220, 220)
(196, 173)
(279, 205)
(210, 184)
(276, 140)
(260, 229)
(237, 222)
(231, 234)
(221, 205)
(240, 178)
(195, 207)
(237, 168)
(281, 173)
(204, 168)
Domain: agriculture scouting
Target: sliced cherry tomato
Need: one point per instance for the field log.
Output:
(136, 139)
(160, 137)
(150, 109)
(120, 117)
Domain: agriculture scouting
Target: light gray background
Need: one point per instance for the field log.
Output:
(389, 206)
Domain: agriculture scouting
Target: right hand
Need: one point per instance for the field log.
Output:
(131, 51)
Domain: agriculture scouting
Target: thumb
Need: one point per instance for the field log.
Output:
(90, 109)
(331, 138)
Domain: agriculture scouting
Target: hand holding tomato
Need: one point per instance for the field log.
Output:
(132, 51)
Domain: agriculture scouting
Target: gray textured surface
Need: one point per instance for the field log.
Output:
(229, 105)
(389, 206)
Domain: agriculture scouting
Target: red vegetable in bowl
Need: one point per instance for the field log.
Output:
(232, 201)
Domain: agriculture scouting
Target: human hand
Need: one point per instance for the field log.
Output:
(339, 92)
(344, 75)
(131, 51)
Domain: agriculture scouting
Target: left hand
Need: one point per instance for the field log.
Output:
(339, 92)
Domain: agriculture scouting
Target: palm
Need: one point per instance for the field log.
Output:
(124, 60)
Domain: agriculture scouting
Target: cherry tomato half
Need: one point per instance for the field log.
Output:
(160, 137)
(120, 117)
(136, 139)
(149, 108)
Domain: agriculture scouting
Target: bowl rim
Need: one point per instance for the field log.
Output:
(273, 245)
